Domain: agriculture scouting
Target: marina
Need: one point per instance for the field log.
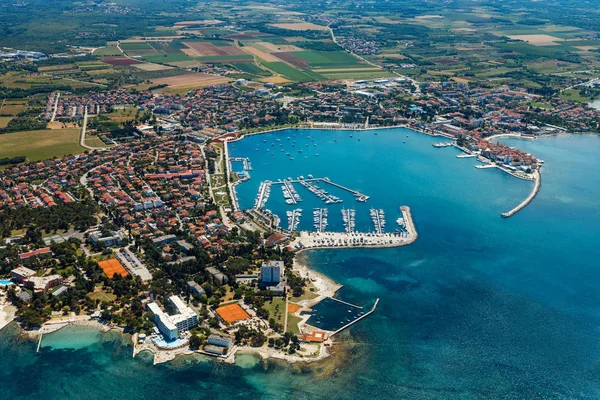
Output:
(294, 219)
(378, 218)
(320, 219)
(264, 191)
(289, 193)
(349, 218)
(320, 193)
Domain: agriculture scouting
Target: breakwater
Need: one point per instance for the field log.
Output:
(524, 203)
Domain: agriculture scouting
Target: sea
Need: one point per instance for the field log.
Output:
(479, 307)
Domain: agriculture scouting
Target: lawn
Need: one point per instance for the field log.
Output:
(102, 296)
(276, 309)
(292, 324)
(40, 145)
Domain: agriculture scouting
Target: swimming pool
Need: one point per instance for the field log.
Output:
(5, 282)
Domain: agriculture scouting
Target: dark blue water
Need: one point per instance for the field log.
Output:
(331, 315)
(478, 307)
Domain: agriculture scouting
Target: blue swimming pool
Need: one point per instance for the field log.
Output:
(5, 282)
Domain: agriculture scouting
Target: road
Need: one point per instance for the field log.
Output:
(82, 135)
(413, 81)
(54, 108)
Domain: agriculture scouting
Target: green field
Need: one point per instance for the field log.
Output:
(329, 59)
(40, 145)
(292, 73)
(251, 68)
(136, 46)
(107, 51)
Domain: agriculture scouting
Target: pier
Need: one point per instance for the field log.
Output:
(320, 219)
(524, 203)
(349, 217)
(289, 193)
(320, 193)
(294, 219)
(357, 319)
(39, 344)
(466, 155)
(378, 218)
(245, 161)
(359, 196)
(346, 303)
(264, 192)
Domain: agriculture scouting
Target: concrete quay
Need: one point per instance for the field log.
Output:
(335, 240)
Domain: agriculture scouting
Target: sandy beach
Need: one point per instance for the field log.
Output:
(7, 313)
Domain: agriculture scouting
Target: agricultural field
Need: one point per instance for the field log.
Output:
(41, 144)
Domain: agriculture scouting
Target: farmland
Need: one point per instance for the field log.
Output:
(41, 144)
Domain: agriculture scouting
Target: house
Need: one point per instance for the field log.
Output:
(112, 239)
(275, 239)
(220, 340)
(21, 274)
(35, 255)
(195, 288)
(218, 275)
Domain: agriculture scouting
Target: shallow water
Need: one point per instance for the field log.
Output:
(478, 307)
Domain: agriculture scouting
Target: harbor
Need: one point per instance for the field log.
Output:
(324, 240)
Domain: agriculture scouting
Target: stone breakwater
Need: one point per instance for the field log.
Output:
(536, 188)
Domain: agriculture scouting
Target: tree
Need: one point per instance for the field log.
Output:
(195, 342)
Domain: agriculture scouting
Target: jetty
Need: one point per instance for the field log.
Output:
(358, 195)
(245, 162)
(320, 193)
(320, 219)
(39, 344)
(524, 203)
(264, 191)
(378, 218)
(357, 319)
(294, 219)
(349, 217)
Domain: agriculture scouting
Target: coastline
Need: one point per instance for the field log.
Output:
(7, 313)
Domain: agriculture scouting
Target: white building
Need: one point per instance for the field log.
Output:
(171, 325)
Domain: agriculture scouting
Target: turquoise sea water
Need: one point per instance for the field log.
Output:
(478, 307)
